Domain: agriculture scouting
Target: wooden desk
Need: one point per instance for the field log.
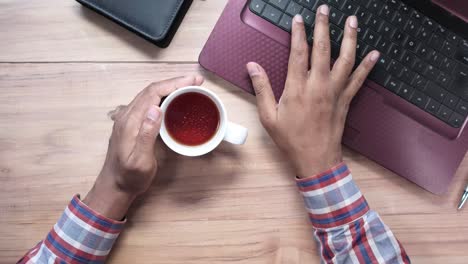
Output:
(62, 68)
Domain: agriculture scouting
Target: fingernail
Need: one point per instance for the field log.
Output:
(153, 113)
(353, 23)
(324, 10)
(253, 69)
(375, 56)
(298, 18)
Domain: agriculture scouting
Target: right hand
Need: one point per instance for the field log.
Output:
(308, 122)
(131, 164)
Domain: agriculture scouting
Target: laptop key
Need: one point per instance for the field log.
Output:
(337, 3)
(436, 58)
(432, 72)
(419, 82)
(430, 24)
(460, 83)
(444, 80)
(309, 4)
(432, 106)
(424, 34)
(286, 23)
(407, 75)
(405, 91)
(456, 120)
(384, 45)
(308, 16)
(350, 8)
(448, 65)
(371, 37)
(395, 51)
(424, 51)
(379, 75)
(435, 91)
(336, 17)
(406, 10)
(436, 41)
(336, 33)
(462, 108)
(411, 45)
(451, 100)
(374, 6)
(444, 113)
(452, 37)
(462, 52)
(257, 6)
(408, 58)
(394, 67)
(293, 9)
(416, 16)
(281, 4)
(420, 66)
(387, 12)
(441, 30)
(271, 14)
(386, 29)
(399, 37)
(393, 84)
(363, 16)
(362, 49)
(419, 99)
(412, 27)
(394, 4)
(448, 48)
(399, 20)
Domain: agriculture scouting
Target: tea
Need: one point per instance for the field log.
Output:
(192, 119)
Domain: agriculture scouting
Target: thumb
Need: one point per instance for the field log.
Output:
(149, 131)
(266, 102)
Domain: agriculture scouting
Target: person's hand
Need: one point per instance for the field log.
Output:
(308, 123)
(131, 164)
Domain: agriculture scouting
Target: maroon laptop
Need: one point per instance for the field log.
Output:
(410, 116)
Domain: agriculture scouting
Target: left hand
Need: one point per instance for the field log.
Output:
(131, 164)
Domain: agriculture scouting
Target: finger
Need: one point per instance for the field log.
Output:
(360, 75)
(299, 57)
(321, 48)
(149, 131)
(153, 93)
(166, 87)
(117, 112)
(345, 63)
(266, 102)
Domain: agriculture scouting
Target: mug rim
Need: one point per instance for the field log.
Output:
(198, 150)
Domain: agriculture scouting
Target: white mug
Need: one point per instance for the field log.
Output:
(227, 131)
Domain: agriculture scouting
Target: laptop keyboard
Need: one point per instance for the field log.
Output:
(422, 62)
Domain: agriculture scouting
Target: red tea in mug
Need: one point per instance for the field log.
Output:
(192, 119)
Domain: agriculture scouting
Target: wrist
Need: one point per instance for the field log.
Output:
(108, 200)
(308, 166)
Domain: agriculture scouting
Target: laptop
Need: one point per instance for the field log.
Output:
(410, 116)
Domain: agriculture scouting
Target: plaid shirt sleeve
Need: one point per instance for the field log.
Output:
(346, 229)
(80, 236)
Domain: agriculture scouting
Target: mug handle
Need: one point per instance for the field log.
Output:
(236, 134)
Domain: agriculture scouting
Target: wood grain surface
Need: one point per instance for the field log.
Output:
(63, 68)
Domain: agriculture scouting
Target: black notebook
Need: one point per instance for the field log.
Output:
(155, 20)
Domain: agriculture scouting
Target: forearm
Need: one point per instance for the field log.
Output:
(348, 231)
